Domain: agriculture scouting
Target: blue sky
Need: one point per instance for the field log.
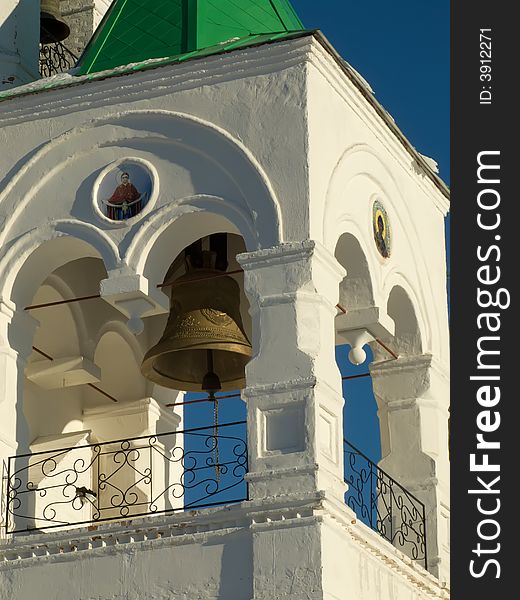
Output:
(402, 48)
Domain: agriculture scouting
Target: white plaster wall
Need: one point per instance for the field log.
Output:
(353, 572)
(254, 111)
(205, 567)
(240, 143)
(354, 159)
(244, 552)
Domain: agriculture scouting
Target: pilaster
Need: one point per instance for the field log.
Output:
(413, 397)
(16, 334)
(293, 383)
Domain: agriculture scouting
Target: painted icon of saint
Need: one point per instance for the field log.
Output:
(380, 237)
(381, 230)
(125, 200)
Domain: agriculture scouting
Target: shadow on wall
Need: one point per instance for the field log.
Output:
(19, 42)
(8, 26)
(236, 570)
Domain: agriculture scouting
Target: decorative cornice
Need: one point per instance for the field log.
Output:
(277, 255)
(404, 364)
(281, 473)
(289, 252)
(364, 102)
(120, 86)
(374, 544)
(410, 364)
(199, 526)
(164, 529)
(280, 387)
(137, 407)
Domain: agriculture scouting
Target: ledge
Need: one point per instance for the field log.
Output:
(198, 526)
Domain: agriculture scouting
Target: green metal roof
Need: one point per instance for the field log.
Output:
(138, 30)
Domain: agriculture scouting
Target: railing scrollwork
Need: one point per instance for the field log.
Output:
(55, 58)
(141, 476)
(385, 505)
(177, 471)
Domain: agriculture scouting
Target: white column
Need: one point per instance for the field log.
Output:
(293, 388)
(413, 399)
(16, 334)
(150, 471)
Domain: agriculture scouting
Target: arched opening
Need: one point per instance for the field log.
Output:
(356, 288)
(65, 312)
(63, 376)
(406, 342)
(407, 339)
(361, 430)
(213, 426)
(360, 423)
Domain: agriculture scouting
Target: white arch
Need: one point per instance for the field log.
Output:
(168, 231)
(121, 329)
(399, 280)
(357, 159)
(65, 291)
(360, 166)
(203, 137)
(30, 259)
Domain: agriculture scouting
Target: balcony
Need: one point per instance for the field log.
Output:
(384, 505)
(93, 483)
(165, 473)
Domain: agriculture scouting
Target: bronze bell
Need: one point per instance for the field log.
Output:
(204, 347)
(52, 27)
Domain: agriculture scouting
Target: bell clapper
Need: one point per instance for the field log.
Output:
(211, 384)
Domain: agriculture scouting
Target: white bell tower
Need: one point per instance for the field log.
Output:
(334, 230)
(19, 39)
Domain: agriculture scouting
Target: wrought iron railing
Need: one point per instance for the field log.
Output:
(122, 479)
(385, 505)
(55, 58)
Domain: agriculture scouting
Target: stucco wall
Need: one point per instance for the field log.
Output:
(244, 552)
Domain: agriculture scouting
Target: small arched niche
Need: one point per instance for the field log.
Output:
(120, 371)
(407, 340)
(356, 288)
